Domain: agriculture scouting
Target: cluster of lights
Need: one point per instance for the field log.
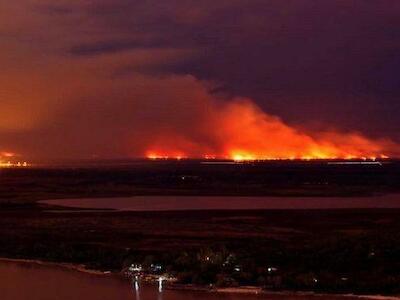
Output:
(7, 162)
(10, 164)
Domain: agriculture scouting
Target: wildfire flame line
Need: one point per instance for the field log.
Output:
(241, 131)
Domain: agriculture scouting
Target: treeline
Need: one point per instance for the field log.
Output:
(361, 264)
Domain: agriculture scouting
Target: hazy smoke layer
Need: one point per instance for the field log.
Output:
(239, 129)
(174, 116)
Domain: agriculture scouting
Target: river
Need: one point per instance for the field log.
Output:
(32, 281)
(165, 203)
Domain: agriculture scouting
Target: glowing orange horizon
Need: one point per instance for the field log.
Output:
(241, 131)
(245, 156)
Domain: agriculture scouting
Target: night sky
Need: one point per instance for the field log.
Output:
(108, 78)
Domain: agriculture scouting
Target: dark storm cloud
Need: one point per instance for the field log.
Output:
(301, 53)
(104, 47)
(305, 54)
(54, 9)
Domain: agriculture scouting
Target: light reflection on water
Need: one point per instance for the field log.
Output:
(136, 287)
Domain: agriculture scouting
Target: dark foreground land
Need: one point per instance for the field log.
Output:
(280, 178)
(331, 251)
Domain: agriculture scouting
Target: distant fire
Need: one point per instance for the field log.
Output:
(172, 155)
(241, 131)
(7, 160)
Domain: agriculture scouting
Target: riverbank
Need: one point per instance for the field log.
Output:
(181, 287)
(250, 290)
(245, 290)
(75, 267)
(259, 291)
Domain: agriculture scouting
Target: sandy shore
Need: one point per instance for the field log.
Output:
(260, 291)
(76, 267)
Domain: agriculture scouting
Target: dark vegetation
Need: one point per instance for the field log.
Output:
(330, 251)
(194, 178)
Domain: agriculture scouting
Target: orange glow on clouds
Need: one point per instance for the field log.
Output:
(241, 131)
(7, 154)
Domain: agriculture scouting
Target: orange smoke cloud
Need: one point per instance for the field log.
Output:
(240, 130)
(7, 154)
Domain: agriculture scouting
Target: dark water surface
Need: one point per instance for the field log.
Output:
(30, 281)
(165, 203)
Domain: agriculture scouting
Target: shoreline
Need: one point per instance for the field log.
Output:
(69, 266)
(260, 291)
(250, 290)
(134, 204)
(236, 290)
